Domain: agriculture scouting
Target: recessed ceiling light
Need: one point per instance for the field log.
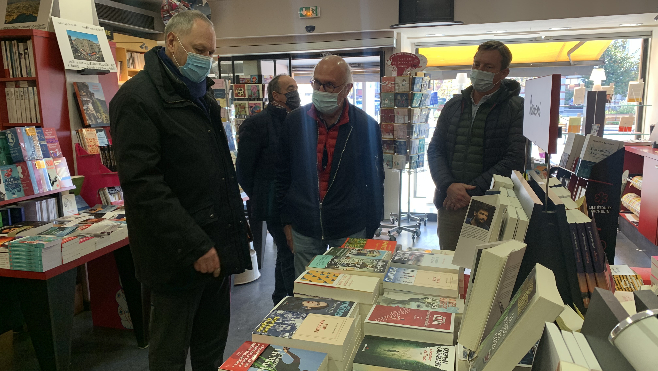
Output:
(630, 24)
(559, 28)
(499, 31)
(435, 34)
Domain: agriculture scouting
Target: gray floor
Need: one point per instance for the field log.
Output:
(101, 349)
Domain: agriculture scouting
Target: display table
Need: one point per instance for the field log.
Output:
(46, 300)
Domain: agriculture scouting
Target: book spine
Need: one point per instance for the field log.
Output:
(9, 97)
(598, 255)
(33, 114)
(17, 60)
(580, 268)
(30, 51)
(4, 58)
(587, 258)
(27, 71)
(36, 103)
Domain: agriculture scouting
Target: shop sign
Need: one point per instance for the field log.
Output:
(309, 12)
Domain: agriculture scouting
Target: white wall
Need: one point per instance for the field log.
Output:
(241, 18)
(488, 11)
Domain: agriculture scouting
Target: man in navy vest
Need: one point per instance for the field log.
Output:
(479, 134)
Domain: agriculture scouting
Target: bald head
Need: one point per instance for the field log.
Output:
(335, 66)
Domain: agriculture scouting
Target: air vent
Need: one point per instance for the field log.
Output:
(124, 17)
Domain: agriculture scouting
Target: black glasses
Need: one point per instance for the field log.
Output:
(328, 86)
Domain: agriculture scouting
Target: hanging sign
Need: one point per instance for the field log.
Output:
(309, 12)
(406, 63)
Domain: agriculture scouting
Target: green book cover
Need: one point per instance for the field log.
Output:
(5, 155)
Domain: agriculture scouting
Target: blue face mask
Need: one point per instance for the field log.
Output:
(325, 102)
(197, 66)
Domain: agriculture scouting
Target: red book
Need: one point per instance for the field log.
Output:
(244, 357)
(410, 324)
(52, 142)
(370, 244)
(28, 185)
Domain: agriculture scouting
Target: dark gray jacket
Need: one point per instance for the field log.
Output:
(504, 143)
(180, 189)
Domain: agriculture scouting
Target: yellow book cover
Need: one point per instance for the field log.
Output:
(319, 277)
(439, 280)
(324, 329)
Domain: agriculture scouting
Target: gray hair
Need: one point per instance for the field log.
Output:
(181, 23)
(346, 66)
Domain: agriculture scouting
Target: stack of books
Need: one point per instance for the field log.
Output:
(22, 102)
(564, 350)
(4, 252)
(654, 271)
(35, 253)
(595, 149)
(18, 58)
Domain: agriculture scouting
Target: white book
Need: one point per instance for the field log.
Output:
(425, 261)
(9, 96)
(522, 225)
(508, 225)
(592, 362)
(22, 48)
(360, 289)
(36, 103)
(553, 353)
(574, 349)
(4, 59)
(410, 324)
(569, 320)
(423, 282)
(33, 113)
(30, 51)
(20, 106)
(481, 224)
(491, 291)
(15, 59)
(26, 59)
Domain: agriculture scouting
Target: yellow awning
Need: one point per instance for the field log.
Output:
(521, 53)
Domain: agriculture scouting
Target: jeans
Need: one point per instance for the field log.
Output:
(284, 270)
(197, 319)
(450, 226)
(306, 248)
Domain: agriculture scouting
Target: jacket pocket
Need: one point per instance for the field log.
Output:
(205, 215)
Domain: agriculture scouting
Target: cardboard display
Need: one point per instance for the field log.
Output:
(541, 111)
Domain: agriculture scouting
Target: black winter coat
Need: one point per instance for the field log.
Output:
(355, 197)
(258, 140)
(504, 143)
(180, 189)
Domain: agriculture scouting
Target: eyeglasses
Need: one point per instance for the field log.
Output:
(328, 87)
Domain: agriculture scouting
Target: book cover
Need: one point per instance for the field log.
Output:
(52, 142)
(408, 317)
(388, 146)
(239, 91)
(88, 135)
(388, 84)
(5, 152)
(587, 258)
(383, 245)
(277, 358)
(421, 301)
(318, 277)
(324, 306)
(401, 147)
(92, 104)
(425, 260)
(403, 276)
(348, 264)
(386, 353)
(43, 144)
(62, 170)
(358, 253)
(11, 182)
(17, 146)
(36, 169)
(324, 329)
(598, 254)
(30, 134)
(55, 182)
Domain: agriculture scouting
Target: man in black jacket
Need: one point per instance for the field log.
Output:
(257, 151)
(185, 215)
(330, 172)
(479, 134)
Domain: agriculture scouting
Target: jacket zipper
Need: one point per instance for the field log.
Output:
(319, 198)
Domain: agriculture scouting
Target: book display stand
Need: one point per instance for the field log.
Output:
(602, 191)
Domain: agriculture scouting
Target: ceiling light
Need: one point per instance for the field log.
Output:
(630, 24)
(497, 31)
(559, 28)
(435, 34)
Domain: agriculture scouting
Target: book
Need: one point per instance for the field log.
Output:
(481, 225)
(313, 332)
(509, 221)
(595, 149)
(31, 135)
(12, 186)
(410, 324)
(348, 287)
(553, 353)
(38, 175)
(380, 353)
(62, 171)
(569, 320)
(574, 349)
(43, 144)
(624, 277)
(21, 147)
(53, 143)
(410, 300)
(357, 252)
(521, 225)
(536, 302)
(371, 244)
(329, 307)
(422, 282)
(252, 356)
(425, 261)
(585, 349)
(352, 265)
(491, 291)
(55, 182)
(89, 140)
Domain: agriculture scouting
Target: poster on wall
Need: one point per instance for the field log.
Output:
(18, 14)
(541, 112)
(83, 46)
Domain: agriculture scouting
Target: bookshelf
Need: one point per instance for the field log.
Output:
(125, 45)
(643, 160)
(96, 175)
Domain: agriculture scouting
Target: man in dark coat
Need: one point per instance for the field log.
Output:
(479, 134)
(257, 151)
(185, 216)
(330, 172)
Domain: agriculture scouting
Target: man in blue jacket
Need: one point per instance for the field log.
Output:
(479, 134)
(330, 172)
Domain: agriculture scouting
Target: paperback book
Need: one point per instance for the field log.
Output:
(380, 353)
(252, 356)
(329, 307)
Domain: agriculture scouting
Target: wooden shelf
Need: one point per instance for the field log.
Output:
(19, 199)
(64, 267)
(645, 151)
(13, 124)
(18, 78)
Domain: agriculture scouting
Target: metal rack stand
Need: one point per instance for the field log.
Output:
(415, 219)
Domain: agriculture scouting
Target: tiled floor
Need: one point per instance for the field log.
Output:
(101, 349)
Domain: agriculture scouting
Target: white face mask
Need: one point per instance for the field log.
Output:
(482, 80)
(325, 102)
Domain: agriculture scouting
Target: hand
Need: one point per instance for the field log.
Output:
(457, 197)
(208, 263)
(287, 229)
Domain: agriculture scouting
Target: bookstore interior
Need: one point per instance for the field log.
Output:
(569, 262)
